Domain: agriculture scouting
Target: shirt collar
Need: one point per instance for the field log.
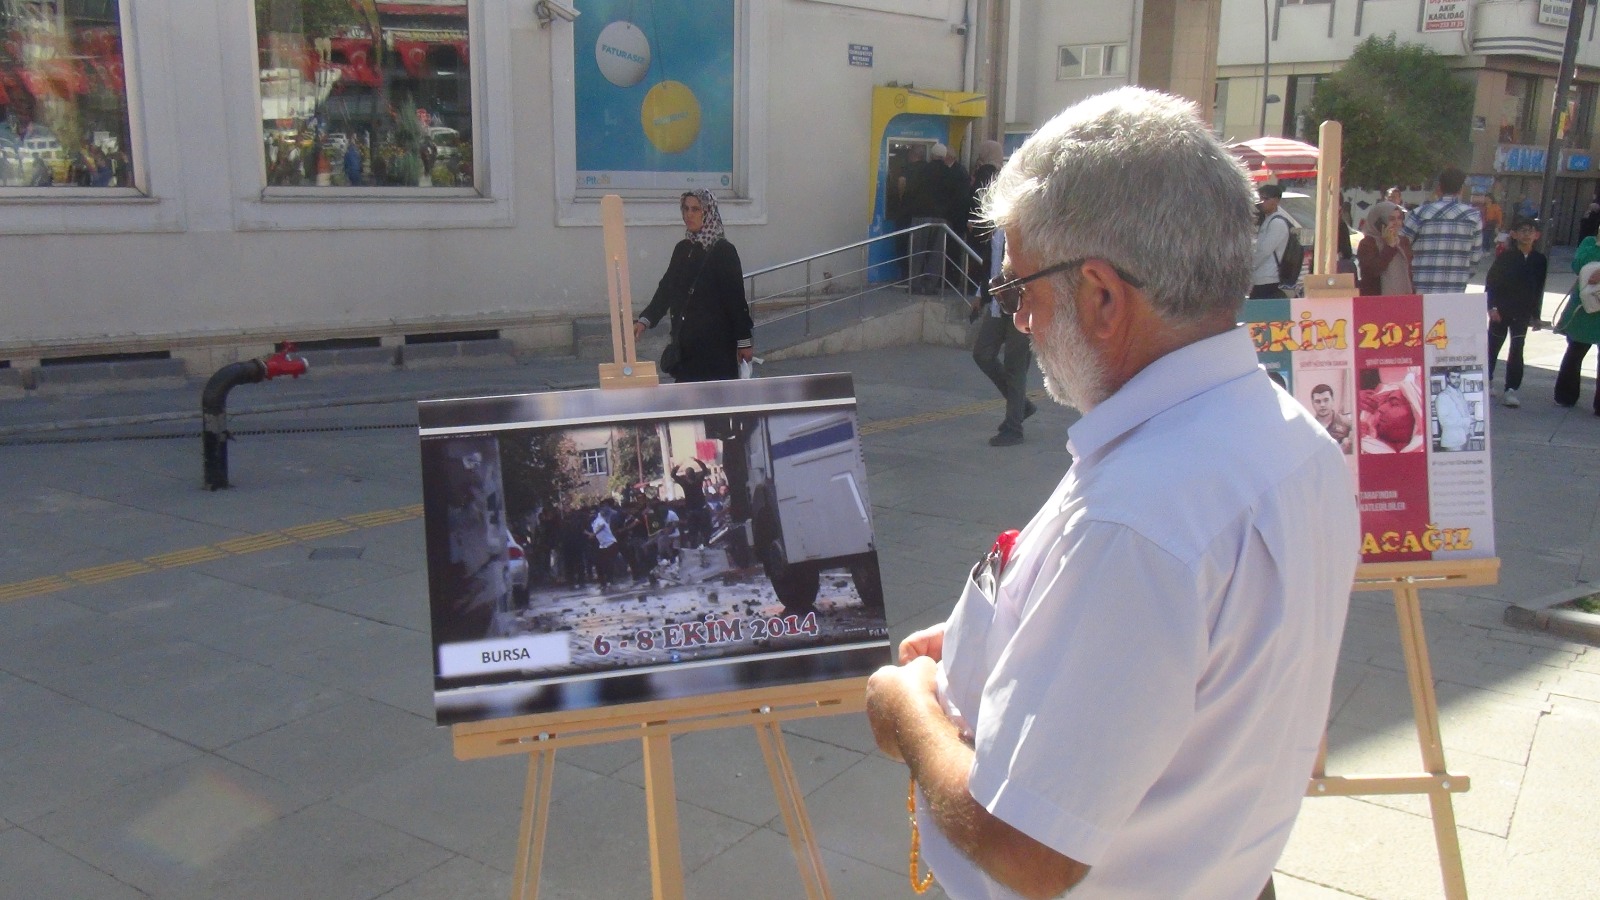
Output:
(1184, 373)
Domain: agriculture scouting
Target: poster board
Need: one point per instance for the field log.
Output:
(772, 579)
(1402, 384)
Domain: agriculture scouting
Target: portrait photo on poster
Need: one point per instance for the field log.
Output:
(1327, 394)
(1458, 397)
(1392, 418)
(590, 548)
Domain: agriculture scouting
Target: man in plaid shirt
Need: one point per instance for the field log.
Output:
(1444, 236)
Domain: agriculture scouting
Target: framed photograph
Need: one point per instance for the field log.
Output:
(589, 548)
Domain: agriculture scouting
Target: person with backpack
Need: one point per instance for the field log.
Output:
(1273, 251)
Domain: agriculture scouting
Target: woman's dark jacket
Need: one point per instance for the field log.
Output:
(711, 324)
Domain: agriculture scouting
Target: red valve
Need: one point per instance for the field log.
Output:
(281, 363)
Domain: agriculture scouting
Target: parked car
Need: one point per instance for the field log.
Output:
(447, 140)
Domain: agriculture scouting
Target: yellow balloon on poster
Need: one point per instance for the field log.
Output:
(670, 115)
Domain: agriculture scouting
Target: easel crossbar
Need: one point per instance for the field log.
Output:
(1359, 785)
(502, 737)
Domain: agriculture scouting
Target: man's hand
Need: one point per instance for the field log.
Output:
(638, 329)
(746, 354)
(897, 694)
(1494, 315)
(928, 642)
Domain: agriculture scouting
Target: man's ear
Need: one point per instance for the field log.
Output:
(1105, 301)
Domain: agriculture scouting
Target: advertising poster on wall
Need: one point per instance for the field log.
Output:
(591, 548)
(654, 89)
(1401, 383)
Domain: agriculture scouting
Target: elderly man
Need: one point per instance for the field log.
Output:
(1128, 697)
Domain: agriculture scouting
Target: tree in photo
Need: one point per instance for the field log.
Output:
(1406, 113)
(635, 459)
(539, 468)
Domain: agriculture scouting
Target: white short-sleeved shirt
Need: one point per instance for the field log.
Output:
(1147, 691)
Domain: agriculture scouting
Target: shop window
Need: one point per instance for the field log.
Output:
(64, 121)
(1580, 131)
(1518, 110)
(357, 94)
(1091, 61)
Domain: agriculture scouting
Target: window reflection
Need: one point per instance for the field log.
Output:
(63, 98)
(358, 93)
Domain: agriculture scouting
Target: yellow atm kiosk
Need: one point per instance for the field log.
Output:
(903, 118)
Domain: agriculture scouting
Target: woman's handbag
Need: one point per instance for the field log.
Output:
(672, 355)
(1563, 314)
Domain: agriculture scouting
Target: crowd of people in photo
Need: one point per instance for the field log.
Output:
(631, 540)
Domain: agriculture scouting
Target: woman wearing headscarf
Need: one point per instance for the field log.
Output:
(703, 291)
(1383, 257)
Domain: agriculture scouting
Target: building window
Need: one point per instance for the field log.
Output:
(1302, 90)
(64, 119)
(1091, 61)
(1517, 111)
(1219, 107)
(366, 94)
(596, 462)
(1580, 130)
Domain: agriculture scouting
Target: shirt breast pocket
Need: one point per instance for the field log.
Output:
(964, 666)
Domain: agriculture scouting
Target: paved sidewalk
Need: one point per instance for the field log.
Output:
(256, 721)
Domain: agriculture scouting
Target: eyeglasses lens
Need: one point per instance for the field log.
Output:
(1006, 293)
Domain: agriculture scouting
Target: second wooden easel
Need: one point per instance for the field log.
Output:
(1405, 580)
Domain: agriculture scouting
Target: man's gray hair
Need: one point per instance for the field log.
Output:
(1134, 177)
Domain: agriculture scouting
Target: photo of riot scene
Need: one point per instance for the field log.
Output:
(583, 564)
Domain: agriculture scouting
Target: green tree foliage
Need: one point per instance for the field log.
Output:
(1405, 112)
(635, 458)
(538, 468)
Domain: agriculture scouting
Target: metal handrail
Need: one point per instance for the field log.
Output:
(816, 256)
(803, 296)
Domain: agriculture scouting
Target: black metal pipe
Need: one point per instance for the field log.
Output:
(214, 414)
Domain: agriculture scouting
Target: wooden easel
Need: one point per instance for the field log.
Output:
(656, 722)
(1405, 580)
(627, 370)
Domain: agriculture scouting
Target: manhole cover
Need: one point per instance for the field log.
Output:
(337, 553)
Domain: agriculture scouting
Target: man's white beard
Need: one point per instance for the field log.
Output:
(1073, 372)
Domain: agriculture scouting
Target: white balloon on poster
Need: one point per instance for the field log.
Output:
(623, 53)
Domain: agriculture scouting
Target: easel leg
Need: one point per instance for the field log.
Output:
(793, 806)
(1425, 707)
(535, 816)
(661, 797)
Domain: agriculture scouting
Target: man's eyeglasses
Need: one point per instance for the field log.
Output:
(1007, 291)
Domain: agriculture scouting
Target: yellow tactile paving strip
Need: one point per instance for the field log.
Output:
(268, 540)
(252, 543)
